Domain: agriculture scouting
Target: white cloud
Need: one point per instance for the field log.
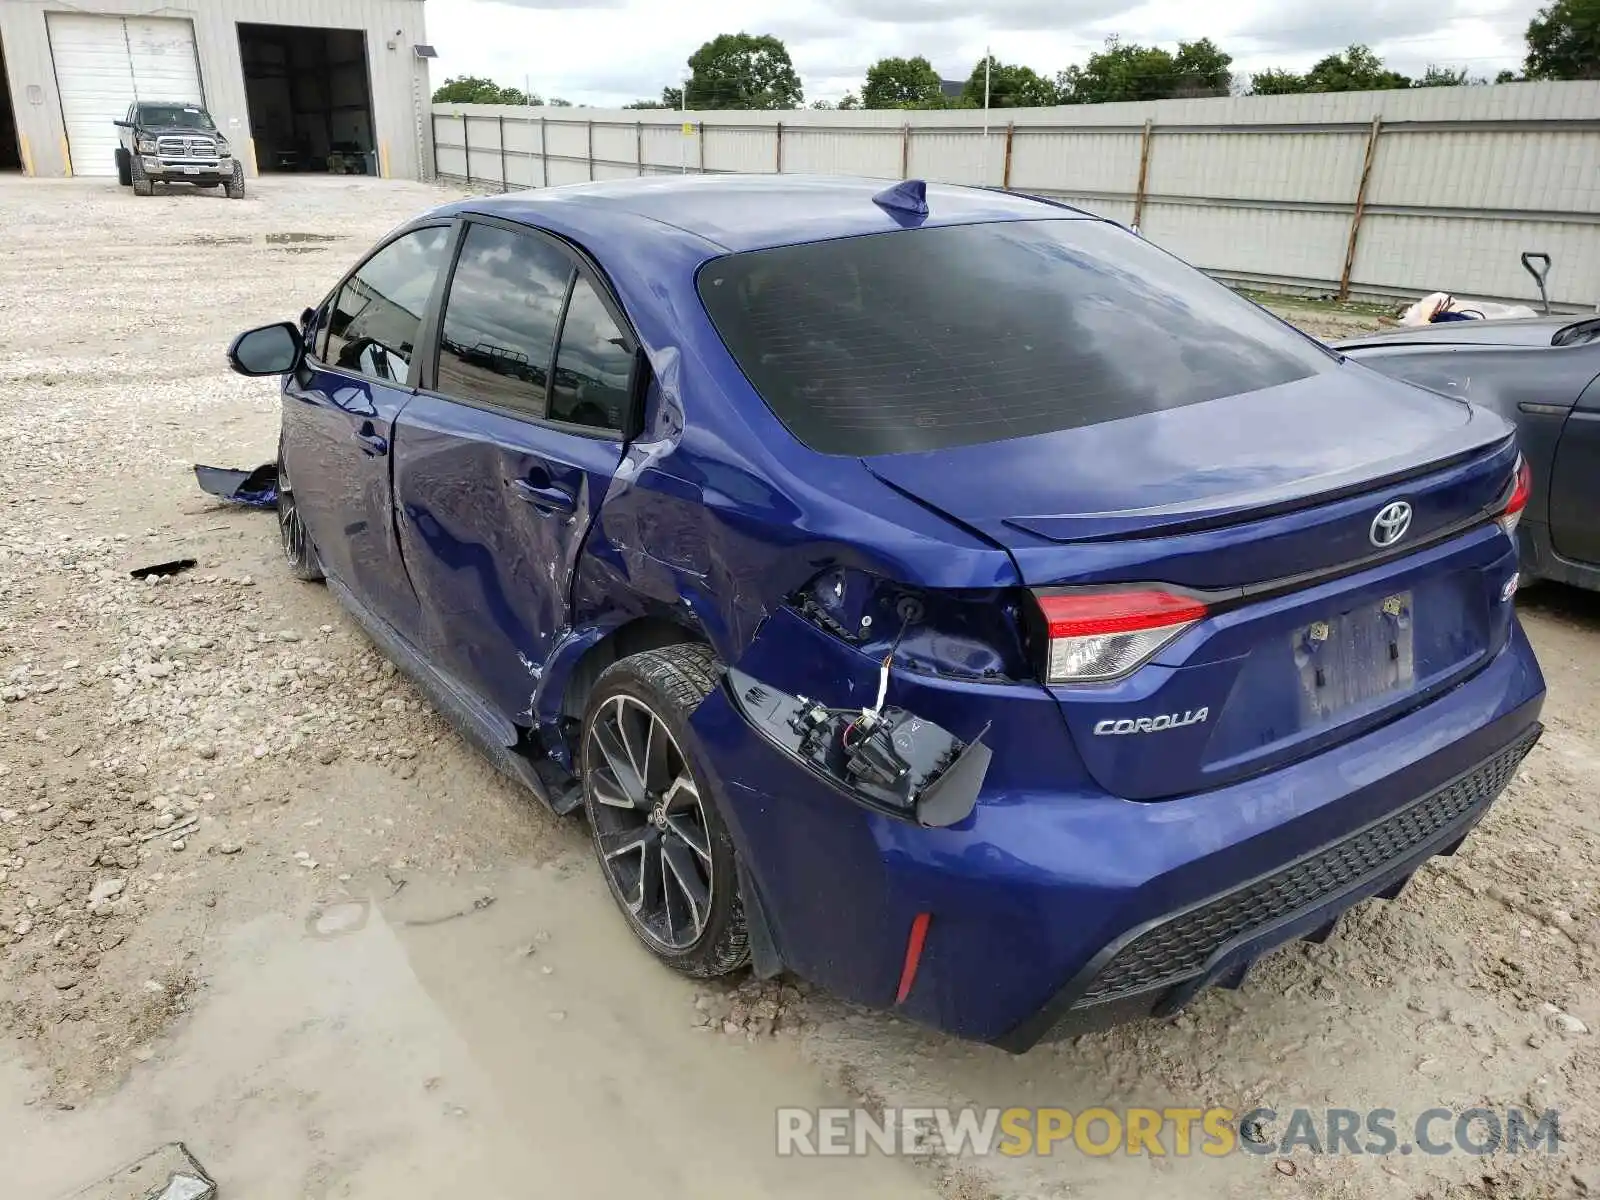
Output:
(611, 52)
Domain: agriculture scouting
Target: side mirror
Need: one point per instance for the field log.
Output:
(270, 350)
(123, 124)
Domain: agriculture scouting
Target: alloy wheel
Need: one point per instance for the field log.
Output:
(291, 529)
(649, 822)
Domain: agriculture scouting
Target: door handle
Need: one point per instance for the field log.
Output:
(545, 499)
(372, 442)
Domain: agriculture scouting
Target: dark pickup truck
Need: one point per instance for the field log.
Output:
(175, 142)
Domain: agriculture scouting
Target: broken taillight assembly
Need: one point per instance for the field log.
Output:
(1521, 492)
(1094, 637)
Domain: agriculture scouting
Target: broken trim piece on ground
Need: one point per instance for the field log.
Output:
(255, 489)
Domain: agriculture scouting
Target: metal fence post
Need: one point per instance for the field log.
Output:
(1361, 207)
(544, 152)
(505, 184)
(466, 149)
(638, 146)
(905, 151)
(1144, 173)
(778, 151)
(700, 147)
(589, 130)
(1005, 173)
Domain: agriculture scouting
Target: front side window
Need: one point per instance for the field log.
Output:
(500, 319)
(593, 365)
(373, 325)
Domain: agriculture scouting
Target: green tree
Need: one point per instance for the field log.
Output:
(649, 104)
(1564, 41)
(1277, 82)
(672, 97)
(1357, 69)
(1202, 69)
(558, 102)
(1508, 77)
(1436, 76)
(850, 100)
(1121, 71)
(900, 83)
(742, 70)
(470, 89)
(1009, 86)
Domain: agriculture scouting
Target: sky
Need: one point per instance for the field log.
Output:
(609, 52)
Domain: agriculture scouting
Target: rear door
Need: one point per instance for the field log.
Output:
(339, 413)
(1575, 483)
(503, 459)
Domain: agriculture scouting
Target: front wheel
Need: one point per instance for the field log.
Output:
(142, 185)
(235, 186)
(662, 844)
(298, 549)
(124, 173)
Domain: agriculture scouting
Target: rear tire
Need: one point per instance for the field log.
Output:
(140, 181)
(661, 842)
(235, 186)
(124, 172)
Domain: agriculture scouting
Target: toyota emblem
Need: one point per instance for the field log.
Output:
(1391, 523)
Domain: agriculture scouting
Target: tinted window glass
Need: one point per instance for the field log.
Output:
(929, 338)
(500, 319)
(592, 366)
(372, 328)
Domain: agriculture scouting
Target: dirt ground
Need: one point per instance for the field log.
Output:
(256, 896)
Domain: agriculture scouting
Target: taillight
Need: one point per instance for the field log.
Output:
(1520, 492)
(1096, 636)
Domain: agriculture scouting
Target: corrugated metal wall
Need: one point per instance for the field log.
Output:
(1258, 189)
(401, 95)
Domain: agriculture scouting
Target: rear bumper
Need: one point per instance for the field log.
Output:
(1037, 897)
(1156, 968)
(1537, 559)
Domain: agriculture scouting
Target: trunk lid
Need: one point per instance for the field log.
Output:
(1264, 505)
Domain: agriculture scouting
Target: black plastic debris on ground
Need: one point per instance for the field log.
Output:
(255, 489)
(176, 566)
(168, 1173)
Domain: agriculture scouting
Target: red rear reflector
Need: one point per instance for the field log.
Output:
(908, 973)
(1084, 615)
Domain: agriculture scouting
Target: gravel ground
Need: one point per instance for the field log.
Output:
(180, 756)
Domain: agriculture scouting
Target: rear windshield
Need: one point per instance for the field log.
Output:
(931, 338)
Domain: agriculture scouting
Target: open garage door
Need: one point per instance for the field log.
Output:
(104, 64)
(310, 99)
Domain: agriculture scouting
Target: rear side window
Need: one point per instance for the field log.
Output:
(593, 366)
(500, 319)
(931, 338)
(373, 324)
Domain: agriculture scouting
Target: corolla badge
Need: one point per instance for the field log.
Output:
(1165, 721)
(1391, 523)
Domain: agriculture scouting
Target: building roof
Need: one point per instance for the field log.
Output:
(748, 212)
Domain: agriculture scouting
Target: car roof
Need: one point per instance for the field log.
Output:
(749, 212)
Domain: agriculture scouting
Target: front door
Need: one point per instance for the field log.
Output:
(339, 414)
(502, 463)
(1575, 483)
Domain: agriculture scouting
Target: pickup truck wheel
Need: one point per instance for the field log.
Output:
(136, 176)
(124, 175)
(235, 186)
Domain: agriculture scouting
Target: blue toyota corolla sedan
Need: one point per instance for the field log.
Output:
(941, 594)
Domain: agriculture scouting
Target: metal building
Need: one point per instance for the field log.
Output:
(295, 85)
